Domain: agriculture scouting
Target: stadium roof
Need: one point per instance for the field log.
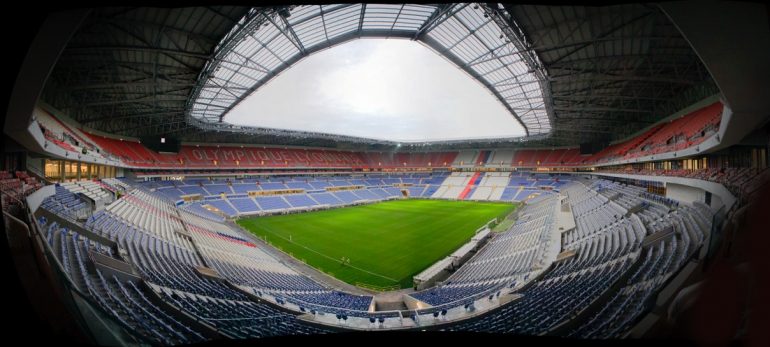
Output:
(570, 74)
(130, 71)
(388, 89)
(266, 42)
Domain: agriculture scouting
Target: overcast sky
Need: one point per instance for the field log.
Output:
(389, 89)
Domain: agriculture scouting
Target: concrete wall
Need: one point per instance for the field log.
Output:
(685, 193)
(414, 304)
(716, 202)
(42, 54)
(35, 199)
(36, 165)
(733, 42)
(716, 189)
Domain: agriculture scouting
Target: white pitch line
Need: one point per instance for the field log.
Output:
(326, 256)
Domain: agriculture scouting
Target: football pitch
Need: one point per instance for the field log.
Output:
(386, 243)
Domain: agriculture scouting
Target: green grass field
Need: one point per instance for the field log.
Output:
(387, 243)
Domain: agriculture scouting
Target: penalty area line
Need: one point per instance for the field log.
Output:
(326, 256)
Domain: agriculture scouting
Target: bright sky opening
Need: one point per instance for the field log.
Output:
(393, 89)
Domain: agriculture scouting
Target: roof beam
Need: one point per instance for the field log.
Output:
(323, 23)
(582, 118)
(548, 48)
(597, 109)
(265, 44)
(246, 59)
(127, 84)
(601, 36)
(361, 19)
(324, 44)
(297, 41)
(284, 31)
(128, 116)
(156, 26)
(395, 20)
(322, 12)
(442, 13)
(220, 14)
(594, 76)
(91, 49)
(582, 130)
(621, 97)
(485, 57)
(149, 98)
(593, 60)
(460, 63)
(321, 17)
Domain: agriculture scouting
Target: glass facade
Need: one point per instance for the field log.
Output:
(734, 157)
(67, 170)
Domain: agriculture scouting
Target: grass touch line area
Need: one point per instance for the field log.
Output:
(386, 243)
